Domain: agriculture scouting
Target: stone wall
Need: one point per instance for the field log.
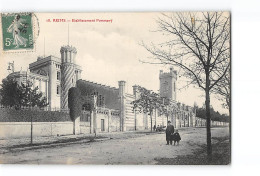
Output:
(23, 129)
(36, 115)
(109, 117)
(130, 117)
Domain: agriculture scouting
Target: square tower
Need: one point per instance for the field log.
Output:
(168, 84)
(49, 66)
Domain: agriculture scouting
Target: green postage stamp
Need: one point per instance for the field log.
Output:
(17, 31)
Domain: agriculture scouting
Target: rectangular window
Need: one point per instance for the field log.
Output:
(58, 90)
(102, 124)
(58, 75)
(100, 100)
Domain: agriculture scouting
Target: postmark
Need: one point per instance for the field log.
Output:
(18, 32)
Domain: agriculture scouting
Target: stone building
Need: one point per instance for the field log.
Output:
(56, 75)
(40, 80)
(117, 99)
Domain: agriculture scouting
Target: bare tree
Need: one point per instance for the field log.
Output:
(148, 102)
(199, 44)
(223, 93)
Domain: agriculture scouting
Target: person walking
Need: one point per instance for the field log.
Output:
(169, 131)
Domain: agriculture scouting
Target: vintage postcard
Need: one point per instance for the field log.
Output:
(148, 88)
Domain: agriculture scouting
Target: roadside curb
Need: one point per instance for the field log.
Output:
(80, 140)
(48, 145)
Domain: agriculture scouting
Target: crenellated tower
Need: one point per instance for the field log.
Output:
(168, 84)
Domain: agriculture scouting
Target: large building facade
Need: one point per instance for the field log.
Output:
(54, 76)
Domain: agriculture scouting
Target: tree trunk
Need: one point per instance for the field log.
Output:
(230, 125)
(151, 117)
(207, 102)
(90, 122)
(229, 109)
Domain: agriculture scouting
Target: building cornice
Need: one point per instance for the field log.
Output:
(45, 61)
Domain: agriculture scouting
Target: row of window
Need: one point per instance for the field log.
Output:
(58, 66)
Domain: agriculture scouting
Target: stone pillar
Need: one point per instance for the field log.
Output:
(189, 120)
(108, 120)
(122, 104)
(40, 85)
(155, 116)
(163, 119)
(76, 126)
(135, 91)
(178, 115)
(52, 85)
(93, 120)
(47, 90)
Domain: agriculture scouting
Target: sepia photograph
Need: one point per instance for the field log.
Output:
(116, 88)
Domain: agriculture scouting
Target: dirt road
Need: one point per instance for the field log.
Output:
(138, 150)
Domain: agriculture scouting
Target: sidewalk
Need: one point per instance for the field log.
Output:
(21, 144)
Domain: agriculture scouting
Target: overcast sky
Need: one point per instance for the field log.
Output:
(108, 52)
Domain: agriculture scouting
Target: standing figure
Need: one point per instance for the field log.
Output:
(154, 127)
(169, 132)
(14, 28)
(176, 137)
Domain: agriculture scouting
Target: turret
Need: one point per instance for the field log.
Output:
(168, 84)
(68, 74)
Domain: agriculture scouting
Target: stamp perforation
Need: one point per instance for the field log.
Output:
(34, 24)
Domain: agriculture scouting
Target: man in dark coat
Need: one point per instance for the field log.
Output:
(169, 132)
